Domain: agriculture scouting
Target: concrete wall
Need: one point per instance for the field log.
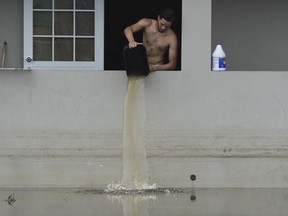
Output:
(64, 128)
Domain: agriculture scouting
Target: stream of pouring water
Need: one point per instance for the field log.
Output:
(135, 166)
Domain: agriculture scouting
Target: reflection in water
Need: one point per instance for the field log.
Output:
(139, 202)
(136, 205)
(168, 202)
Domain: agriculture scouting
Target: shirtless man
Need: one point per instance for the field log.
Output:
(158, 38)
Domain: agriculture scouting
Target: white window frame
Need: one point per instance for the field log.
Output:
(98, 64)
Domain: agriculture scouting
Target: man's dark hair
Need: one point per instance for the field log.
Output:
(167, 14)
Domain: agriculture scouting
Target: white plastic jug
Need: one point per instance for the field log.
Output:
(218, 59)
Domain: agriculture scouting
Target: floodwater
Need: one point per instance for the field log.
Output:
(156, 202)
(134, 197)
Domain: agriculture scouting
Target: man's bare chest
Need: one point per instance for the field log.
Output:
(156, 40)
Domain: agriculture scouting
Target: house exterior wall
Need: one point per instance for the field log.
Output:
(64, 128)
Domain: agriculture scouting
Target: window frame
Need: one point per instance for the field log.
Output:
(97, 64)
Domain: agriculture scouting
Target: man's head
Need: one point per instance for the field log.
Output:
(165, 19)
(167, 14)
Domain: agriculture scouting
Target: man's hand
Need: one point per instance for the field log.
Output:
(134, 44)
(153, 67)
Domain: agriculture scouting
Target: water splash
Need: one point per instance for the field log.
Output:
(120, 189)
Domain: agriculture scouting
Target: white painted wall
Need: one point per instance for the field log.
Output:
(64, 128)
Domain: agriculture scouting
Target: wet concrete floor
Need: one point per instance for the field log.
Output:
(168, 202)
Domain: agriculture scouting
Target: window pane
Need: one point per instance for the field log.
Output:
(85, 4)
(42, 49)
(63, 49)
(63, 4)
(63, 23)
(85, 23)
(42, 23)
(42, 4)
(84, 49)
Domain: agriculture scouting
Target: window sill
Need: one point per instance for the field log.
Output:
(15, 69)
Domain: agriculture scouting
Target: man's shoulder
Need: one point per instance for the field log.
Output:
(146, 21)
(172, 37)
(173, 34)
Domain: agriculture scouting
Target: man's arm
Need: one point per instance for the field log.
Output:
(130, 30)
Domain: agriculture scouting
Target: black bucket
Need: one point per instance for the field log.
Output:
(136, 61)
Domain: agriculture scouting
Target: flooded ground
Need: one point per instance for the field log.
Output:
(154, 202)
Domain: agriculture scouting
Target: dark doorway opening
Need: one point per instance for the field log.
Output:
(127, 12)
